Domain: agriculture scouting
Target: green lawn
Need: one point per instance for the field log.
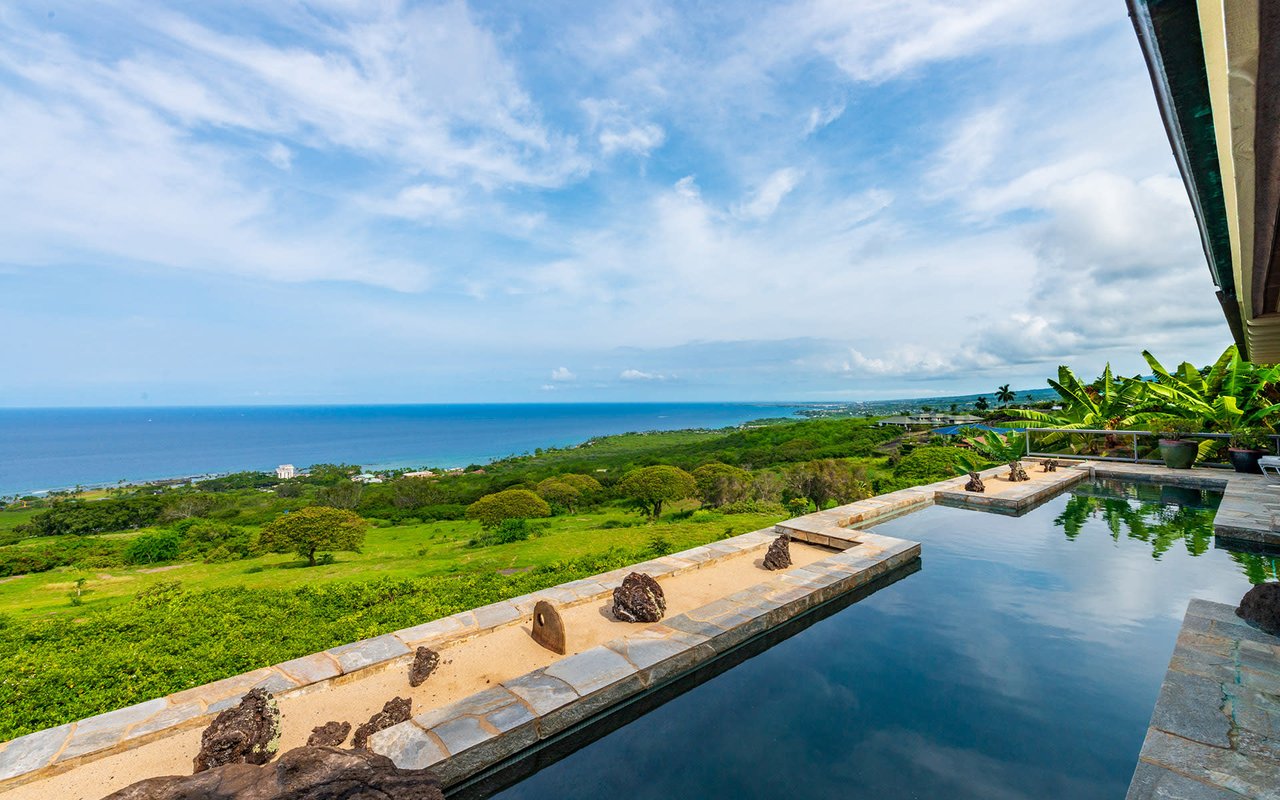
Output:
(408, 551)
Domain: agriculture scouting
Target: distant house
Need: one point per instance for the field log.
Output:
(286, 471)
(422, 473)
(366, 477)
(929, 420)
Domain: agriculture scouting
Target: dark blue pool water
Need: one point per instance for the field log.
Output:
(1022, 661)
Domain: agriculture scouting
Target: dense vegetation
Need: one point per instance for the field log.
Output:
(110, 625)
(166, 639)
(1230, 396)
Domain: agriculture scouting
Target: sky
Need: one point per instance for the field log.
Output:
(384, 202)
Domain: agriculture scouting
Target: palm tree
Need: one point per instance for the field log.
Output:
(981, 404)
(1004, 395)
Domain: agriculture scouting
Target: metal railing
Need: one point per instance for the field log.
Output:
(1133, 437)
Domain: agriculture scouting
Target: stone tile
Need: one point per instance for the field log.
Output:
(311, 669)
(491, 616)
(477, 705)
(543, 693)
(1227, 769)
(434, 631)
(591, 670)
(106, 730)
(682, 622)
(219, 691)
(485, 754)
(509, 717)
(645, 651)
(409, 746)
(171, 717)
(30, 752)
(460, 734)
(276, 683)
(368, 652)
(590, 705)
(1191, 707)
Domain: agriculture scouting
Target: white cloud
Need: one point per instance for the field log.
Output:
(637, 375)
(562, 374)
(820, 118)
(769, 195)
(280, 156)
(687, 187)
(617, 130)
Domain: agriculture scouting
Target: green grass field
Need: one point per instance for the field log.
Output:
(408, 551)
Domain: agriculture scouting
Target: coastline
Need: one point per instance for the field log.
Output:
(490, 425)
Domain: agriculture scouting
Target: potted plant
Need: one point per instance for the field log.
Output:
(1177, 449)
(1246, 447)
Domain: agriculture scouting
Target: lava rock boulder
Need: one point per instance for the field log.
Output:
(330, 734)
(1260, 607)
(425, 661)
(778, 556)
(394, 711)
(305, 773)
(249, 733)
(639, 599)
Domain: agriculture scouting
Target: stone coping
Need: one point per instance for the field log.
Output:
(463, 738)
(1215, 731)
(1016, 498)
(64, 747)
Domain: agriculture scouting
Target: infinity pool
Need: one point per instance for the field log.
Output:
(1022, 661)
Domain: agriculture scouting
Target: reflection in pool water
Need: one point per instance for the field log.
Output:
(1023, 661)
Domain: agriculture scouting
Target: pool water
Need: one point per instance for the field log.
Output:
(1022, 661)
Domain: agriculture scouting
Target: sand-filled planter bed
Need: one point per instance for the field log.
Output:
(477, 650)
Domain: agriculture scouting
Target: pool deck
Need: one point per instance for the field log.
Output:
(1215, 732)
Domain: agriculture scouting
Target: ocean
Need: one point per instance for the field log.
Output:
(43, 449)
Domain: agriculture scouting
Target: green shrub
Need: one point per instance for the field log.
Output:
(754, 507)
(493, 509)
(928, 464)
(507, 531)
(153, 548)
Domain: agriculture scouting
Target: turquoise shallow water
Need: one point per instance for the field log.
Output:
(57, 448)
(1022, 661)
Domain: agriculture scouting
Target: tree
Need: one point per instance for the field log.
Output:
(558, 492)
(650, 487)
(981, 404)
(314, 529)
(415, 493)
(827, 479)
(719, 484)
(767, 486)
(493, 509)
(1004, 394)
(569, 491)
(343, 494)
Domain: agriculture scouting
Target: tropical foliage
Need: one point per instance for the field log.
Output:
(1225, 397)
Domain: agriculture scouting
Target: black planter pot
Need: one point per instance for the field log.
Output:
(1246, 460)
(1178, 453)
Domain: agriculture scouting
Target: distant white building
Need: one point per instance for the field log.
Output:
(366, 477)
(422, 473)
(286, 471)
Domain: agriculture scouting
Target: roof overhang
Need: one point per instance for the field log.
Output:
(1213, 65)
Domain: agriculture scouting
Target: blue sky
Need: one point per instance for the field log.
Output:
(342, 202)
